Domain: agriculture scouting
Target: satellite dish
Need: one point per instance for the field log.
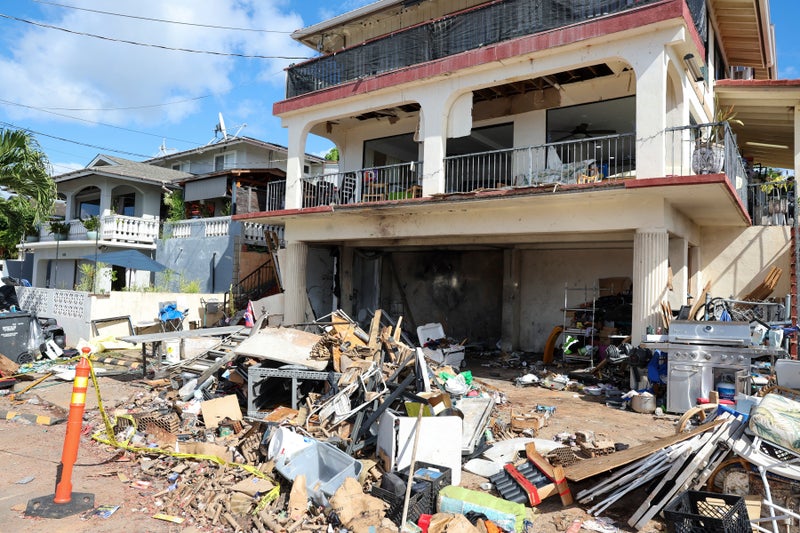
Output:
(221, 128)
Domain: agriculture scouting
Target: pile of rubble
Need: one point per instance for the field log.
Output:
(279, 429)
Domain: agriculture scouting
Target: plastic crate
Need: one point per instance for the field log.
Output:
(436, 477)
(707, 512)
(417, 503)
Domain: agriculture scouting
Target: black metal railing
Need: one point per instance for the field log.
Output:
(262, 282)
(706, 149)
(772, 202)
(375, 184)
(575, 161)
(449, 35)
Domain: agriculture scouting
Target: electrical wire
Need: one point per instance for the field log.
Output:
(102, 148)
(72, 117)
(213, 26)
(149, 45)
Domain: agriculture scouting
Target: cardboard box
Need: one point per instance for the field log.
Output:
(437, 403)
(610, 286)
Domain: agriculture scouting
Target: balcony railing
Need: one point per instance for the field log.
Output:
(449, 35)
(198, 227)
(578, 161)
(376, 184)
(772, 203)
(112, 228)
(253, 233)
(276, 195)
(706, 149)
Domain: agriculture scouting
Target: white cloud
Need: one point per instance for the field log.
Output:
(51, 68)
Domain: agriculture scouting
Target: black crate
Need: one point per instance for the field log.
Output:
(417, 504)
(707, 512)
(436, 477)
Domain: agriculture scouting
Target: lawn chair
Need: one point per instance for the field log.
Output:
(170, 318)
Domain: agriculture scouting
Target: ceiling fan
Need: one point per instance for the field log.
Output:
(583, 129)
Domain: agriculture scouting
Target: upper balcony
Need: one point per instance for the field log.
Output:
(491, 23)
(573, 165)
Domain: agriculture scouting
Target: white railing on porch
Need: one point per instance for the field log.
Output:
(129, 229)
(112, 228)
(253, 233)
(199, 227)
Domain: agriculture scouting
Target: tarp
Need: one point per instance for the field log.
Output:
(132, 259)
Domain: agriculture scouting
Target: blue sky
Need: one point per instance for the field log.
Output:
(85, 95)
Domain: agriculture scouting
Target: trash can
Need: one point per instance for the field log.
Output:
(15, 330)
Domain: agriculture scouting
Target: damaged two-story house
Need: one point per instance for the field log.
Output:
(495, 154)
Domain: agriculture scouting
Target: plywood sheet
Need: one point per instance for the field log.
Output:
(284, 345)
(591, 467)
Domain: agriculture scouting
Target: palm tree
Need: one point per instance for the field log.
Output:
(24, 170)
(29, 188)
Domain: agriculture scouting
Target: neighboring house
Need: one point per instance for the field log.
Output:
(229, 176)
(493, 154)
(126, 196)
(234, 174)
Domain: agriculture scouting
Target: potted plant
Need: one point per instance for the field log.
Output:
(59, 229)
(92, 224)
(32, 233)
(709, 153)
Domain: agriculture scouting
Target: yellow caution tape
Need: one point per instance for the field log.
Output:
(110, 439)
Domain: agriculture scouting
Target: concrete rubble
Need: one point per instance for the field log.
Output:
(283, 430)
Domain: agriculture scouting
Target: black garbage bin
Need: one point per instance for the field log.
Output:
(15, 330)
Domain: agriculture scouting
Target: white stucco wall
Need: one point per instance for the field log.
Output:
(544, 276)
(736, 261)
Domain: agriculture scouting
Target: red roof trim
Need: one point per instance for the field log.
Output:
(758, 83)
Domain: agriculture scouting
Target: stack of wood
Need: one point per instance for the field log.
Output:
(765, 288)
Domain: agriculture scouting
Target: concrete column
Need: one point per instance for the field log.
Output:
(651, 102)
(293, 274)
(510, 326)
(679, 262)
(294, 164)
(650, 252)
(346, 279)
(434, 119)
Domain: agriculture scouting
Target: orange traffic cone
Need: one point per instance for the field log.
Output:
(65, 502)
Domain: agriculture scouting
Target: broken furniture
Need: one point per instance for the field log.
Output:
(257, 378)
(532, 481)
(437, 347)
(170, 317)
(155, 340)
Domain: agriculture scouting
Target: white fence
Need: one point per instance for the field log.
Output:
(75, 310)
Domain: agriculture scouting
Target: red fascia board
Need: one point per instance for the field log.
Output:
(758, 83)
(648, 14)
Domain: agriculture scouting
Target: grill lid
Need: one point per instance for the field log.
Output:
(709, 332)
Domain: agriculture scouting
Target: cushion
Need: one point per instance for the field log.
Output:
(777, 419)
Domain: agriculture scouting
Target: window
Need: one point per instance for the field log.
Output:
(182, 167)
(224, 161)
(87, 203)
(126, 205)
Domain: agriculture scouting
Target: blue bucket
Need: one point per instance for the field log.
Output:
(727, 391)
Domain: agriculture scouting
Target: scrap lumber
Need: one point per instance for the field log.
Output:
(700, 301)
(591, 467)
(765, 288)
